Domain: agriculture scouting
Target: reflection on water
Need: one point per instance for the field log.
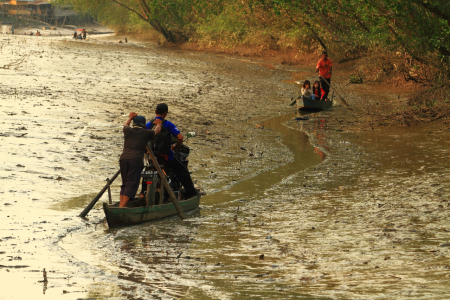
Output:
(304, 156)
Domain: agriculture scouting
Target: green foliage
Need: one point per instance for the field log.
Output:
(357, 78)
(172, 18)
(420, 28)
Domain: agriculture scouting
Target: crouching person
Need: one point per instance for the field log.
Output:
(131, 160)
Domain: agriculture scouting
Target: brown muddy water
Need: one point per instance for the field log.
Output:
(295, 209)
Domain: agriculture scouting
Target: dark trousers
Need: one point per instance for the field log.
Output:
(183, 176)
(325, 85)
(130, 170)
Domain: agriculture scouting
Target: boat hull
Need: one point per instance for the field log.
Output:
(121, 216)
(309, 104)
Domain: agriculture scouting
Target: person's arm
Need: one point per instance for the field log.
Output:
(179, 142)
(130, 118)
(329, 72)
(157, 128)
(322, 93)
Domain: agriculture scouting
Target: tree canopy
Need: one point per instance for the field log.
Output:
(420, 28)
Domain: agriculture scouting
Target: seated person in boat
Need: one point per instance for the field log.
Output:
(164, 149)
(307, 91)
(131, 160)
(317, 91)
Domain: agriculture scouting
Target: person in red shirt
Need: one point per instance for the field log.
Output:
(324, 68)
(318, 91)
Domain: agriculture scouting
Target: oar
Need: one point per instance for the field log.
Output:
(341, 99)
(91, 205)
(293, 102)
(166, 185)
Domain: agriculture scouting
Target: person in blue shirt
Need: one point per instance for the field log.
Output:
(165, 149)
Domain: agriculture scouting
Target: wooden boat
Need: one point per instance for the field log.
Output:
(121, 216)
(314, 105)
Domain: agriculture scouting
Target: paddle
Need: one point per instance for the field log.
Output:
(293, 102)
(166, 185)
(341, 99)
(91, 205)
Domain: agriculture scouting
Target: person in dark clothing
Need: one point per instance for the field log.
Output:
(84, 34)
(131, 160)
(166, 150)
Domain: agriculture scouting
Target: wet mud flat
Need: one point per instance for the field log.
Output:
(63, 104)
(295, 209)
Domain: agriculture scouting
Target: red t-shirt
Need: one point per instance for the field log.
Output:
(324, 67)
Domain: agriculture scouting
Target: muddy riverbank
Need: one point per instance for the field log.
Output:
(295, 209)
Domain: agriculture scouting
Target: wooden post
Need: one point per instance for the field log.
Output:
(161, 195)
(166, 185)
(91, 205)
(109, 190)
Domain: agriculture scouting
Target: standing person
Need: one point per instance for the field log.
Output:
(75, 34)
(324, 67)
(164, 147)
(131, 160)
(12, 30)
(84, 34)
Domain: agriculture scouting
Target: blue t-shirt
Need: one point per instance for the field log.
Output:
(171, 128)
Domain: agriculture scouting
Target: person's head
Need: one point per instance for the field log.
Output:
(139, 121)
(306, 84)
(162, 110)
(316, 84)
(324, 55)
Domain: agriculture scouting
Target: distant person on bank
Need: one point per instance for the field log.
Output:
(131, 160)
(324, 67)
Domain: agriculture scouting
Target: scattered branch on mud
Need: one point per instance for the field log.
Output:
(15, 63)
(423, 107)
(396, 68)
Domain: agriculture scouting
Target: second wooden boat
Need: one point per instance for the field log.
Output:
(315, 105)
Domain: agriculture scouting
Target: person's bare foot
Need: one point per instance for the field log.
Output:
(124, 201)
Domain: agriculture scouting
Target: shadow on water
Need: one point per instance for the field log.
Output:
(74, 202)
(304, 156)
